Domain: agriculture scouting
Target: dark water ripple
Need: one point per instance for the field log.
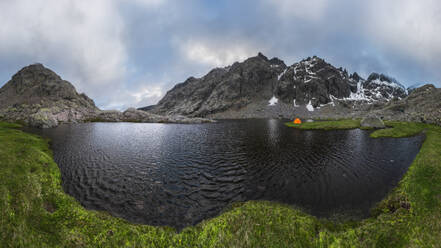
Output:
(178, 175)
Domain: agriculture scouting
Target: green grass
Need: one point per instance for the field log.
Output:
(400, 129)
(326, 125)
(35, 212)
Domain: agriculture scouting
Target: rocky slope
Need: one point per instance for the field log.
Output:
(263, 88)
(422, 105)
(40, 98)
(134, 115)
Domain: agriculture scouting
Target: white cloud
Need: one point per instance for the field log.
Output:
(147, 96)
(83, 36)
(147, 3)
(216, 53)
(308, 10)
(82, 41)
(406, 26)
(89, 42)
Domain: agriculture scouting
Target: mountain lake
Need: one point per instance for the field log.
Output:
(180, 174)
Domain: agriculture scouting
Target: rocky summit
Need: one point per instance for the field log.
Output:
(266, 88)
(40, 98)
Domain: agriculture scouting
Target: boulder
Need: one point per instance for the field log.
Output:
(43, 119)
(372, 122)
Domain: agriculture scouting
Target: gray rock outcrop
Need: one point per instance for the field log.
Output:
(372, 122)
(134, 115)
(422, 105)
(39, 97)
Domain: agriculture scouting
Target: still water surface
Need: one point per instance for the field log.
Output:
(178, 175)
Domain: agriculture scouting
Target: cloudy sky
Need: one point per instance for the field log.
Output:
(126, 53)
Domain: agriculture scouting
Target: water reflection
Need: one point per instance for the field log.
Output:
(178, 175)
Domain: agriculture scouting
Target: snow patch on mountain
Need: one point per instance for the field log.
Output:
(281, 74)
(295, 105)
(309, 107)
(273, 101)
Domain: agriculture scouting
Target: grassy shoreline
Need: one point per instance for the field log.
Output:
(326, 125)
(35, 211)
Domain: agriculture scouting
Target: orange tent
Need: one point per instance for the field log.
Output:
(297, 121)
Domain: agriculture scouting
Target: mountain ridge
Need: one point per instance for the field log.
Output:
(309, 82)
(40, 98)
(255, 88)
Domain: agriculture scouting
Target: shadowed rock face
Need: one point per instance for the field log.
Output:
(39, 97)
(223, 88)
(311, 82)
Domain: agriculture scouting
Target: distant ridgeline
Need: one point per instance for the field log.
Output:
(255, 88)
(312, 88)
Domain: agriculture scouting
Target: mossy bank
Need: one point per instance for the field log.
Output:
(35, 211)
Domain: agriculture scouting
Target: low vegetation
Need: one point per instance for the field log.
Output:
(35, 211)
(326, 125)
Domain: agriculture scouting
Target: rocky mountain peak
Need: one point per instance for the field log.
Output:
(424, 88)
(34, 83)
(260, 55)
(416, 86)
(277, 62)
(356, 77)
(380, 86)
(311, 82)
(38, 96)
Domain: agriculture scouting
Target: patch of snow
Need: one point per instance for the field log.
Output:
(281, 74)
(358, 95)
(321, 70)
(306, 62)
(295, 105)
(391, 84)
(332, 76)
(378, 94)
(332, 97)
(309, 107)
(273, 101)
